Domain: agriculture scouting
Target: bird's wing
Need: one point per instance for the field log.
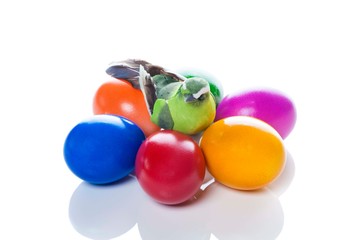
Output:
(144, 76)
(147, 87)
(169, 90)
(126, 70)
(161, 114)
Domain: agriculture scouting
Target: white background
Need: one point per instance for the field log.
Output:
(53, 55)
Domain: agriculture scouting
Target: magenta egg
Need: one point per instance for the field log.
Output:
(270, 106)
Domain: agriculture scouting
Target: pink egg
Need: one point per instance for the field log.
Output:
(270, 106)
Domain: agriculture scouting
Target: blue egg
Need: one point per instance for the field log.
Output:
(102, 149)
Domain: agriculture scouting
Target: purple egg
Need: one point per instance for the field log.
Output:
(270, 106)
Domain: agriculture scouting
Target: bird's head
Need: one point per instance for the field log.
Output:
(195, 89)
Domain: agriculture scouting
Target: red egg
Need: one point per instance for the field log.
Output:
(170, 167)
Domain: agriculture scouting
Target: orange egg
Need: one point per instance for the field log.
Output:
(120, 98)
(243, 152)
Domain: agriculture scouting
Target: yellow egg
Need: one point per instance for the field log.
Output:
(243, 152)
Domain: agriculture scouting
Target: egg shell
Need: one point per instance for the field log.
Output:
(119, 97)
(268, 105)
(102, 148)
(243, 152)
(170, 167)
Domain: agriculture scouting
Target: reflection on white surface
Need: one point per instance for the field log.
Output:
(161, 222)
(280, 185)
(104, 212)
(237, 215)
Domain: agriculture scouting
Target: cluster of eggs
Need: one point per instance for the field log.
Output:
(243, 147)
